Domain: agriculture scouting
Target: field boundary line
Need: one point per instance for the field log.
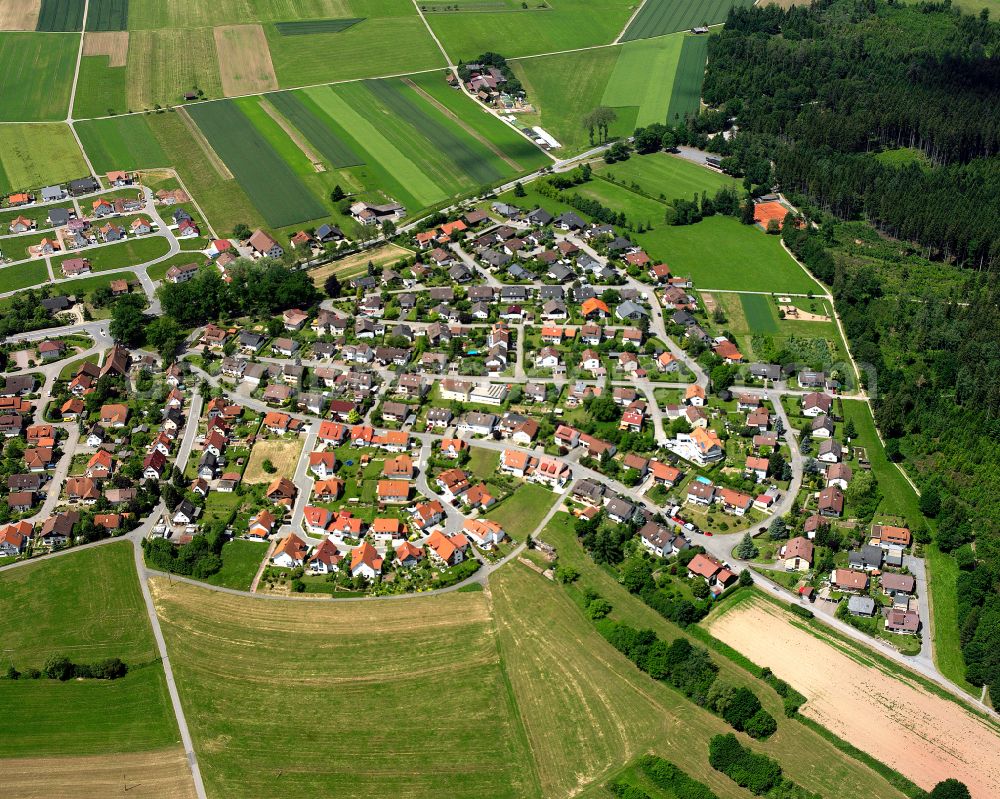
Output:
(213, 157)
(465, 126)
(294, 134)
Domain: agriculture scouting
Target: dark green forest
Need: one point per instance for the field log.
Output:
(825, 97)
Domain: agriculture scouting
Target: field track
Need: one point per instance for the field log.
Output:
(293, 134)
(213, 157)
(19, 15)
(162, 774)
(113, 44)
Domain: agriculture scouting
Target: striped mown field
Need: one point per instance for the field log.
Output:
(659, 17)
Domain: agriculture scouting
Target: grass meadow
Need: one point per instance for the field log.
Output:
(266, 177)
(523, 510)
(308, 120)
(420, 682)
(87, 606)
(759, 313)
(32, 156)
(36, 74)
(121, 143)
(240, 561)
(565, 25)
(131, 252)
(659, 17)
(641, 72)
(163, 65)
(145, 14)
(667, 176)
(685, 97)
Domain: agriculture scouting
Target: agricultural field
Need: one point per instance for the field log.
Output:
(523, 510)
(641, 72)
(37, 155)
(759, 313)
(563, 25)
(244, 60)
(666, 176)
(22, 276)
(60, 15)
(806, 756)
(380, 655)
(163, 65)
(283, 454)
(308, 120)
(103, 89)
(304, 27)
(36, 75)
(145, 14)
(121, 143)
(882, 710)
(685, 97)
(354, 265)
(46, 718)
(19, 15)
(107, 15)
(267, 178)
(659, 17)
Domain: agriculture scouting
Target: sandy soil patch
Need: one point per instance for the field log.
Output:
(213, 157)
(893, 718)
(282, 452)
(293, 134)
(709, 300)
(113, 44)
(162, 774)
(356, 264)
(23, 358)
(244, 60)
(19, 15)
(798, 315)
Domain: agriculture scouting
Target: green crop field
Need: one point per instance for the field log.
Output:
(372, 48)
(60, 15)
(154, 14)
(222, 199)
(278, 139)
(163, 65)
(308, 120)
(102, 89)
(759, 313)
(523, 510)
(642, 71)
(658, 17)
(107, 15)
(32, 156)
(307, 26)
(121, 143)
(22, 276)
(667, 176)
(131, 252)
(685, 97)
(564, 25)
(565, 88)
(36, 74)
(86, 606)
(484, 125)
(373, 667)
(268, 180)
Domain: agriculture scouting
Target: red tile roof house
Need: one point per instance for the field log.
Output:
(711, 570)
(848, 580)
(365, 561)
(902, 622)
(290, 552)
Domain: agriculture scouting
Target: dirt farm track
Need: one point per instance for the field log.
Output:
(154, 775)
(921, 735)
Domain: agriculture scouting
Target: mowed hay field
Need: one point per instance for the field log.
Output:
(354, 265)
(86, 606)
(282, 452)
(564, 25)
(244, 60)
(354, 699)
(667, 175)
(19, 15)
(121, 143)
(641, 72)
(685, 97)
(32, 156)
(523, 510)
(163, 65)
(658, 17)
(881, 711)
(36, 74)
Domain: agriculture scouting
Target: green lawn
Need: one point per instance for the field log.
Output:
(382, 656)
(36, 73)
(483, 462)
(87, 606)
(943, 575)
(22, 276)
(32, 156)
(131, 252)
(240, 561)
(121, 143)
(523, 510)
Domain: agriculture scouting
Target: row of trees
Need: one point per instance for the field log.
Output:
(59, 667)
